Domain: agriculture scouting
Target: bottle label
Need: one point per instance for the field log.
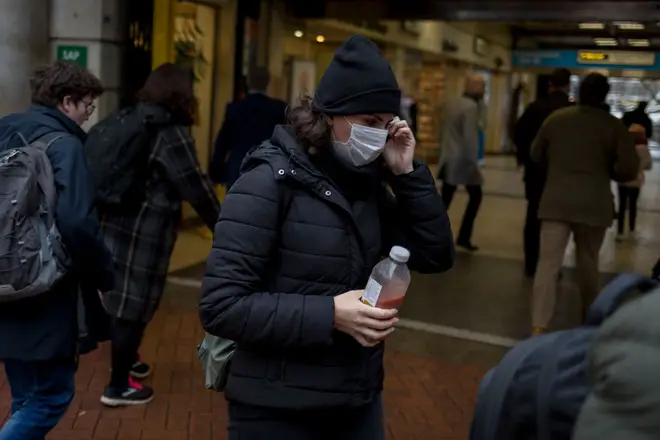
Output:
(372, 292)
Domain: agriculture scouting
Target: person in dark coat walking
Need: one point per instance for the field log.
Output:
(525, 132)
(298, 236)
(639, 116)
(39, 336)
(248, 123)
(141, 236)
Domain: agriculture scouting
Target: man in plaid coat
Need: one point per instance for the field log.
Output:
(141, 235)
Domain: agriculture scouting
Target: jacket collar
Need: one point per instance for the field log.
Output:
(58, 118)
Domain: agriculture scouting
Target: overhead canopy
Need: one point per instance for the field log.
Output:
(557, 10)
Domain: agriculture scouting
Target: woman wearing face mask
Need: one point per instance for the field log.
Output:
(298, 236)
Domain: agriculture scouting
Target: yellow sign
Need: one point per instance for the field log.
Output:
(593, 56)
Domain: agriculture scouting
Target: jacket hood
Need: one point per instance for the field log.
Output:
(282, 151)
(36, 122)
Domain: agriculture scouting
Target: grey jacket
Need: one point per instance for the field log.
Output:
(459, 161)
(624, 364)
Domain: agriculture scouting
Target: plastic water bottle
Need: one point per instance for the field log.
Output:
(389, 281)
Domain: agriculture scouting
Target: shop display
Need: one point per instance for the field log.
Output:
(429, 93)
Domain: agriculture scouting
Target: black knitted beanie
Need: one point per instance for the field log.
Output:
(358, 81)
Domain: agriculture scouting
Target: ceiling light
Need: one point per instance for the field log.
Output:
(605, 41)
(320, 38)
(629, 26)
(592, 26)
(639, 42)
(298, 34)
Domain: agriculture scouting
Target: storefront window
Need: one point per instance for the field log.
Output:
(194, 45)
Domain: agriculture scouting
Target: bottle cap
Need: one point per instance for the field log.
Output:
(400, 254)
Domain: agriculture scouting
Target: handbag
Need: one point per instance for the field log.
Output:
(216, 354)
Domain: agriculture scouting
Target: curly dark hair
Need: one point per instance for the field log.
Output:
(312, 128)
(170, 86)
(51, 84)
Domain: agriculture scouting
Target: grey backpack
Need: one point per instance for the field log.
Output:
(32, 256)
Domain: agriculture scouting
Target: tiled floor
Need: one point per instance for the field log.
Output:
(429, 391)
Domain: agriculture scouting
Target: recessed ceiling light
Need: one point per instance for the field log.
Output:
(639, 42)
(629, 26)
(298, 34)
(320, 38)
(605, 41)
(592, 25)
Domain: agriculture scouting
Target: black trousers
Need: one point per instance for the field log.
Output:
(126, 341)
(532, 231)
(475, 196)
(254, 423)
(627, 201)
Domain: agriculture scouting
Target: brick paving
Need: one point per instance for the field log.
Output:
(425, 398)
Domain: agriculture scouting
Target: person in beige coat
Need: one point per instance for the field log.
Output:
(582, 148)
(629, 191)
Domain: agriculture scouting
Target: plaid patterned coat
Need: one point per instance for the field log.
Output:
(142, 241)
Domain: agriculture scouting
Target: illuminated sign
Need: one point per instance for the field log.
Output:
(592, 56)
(618, 58)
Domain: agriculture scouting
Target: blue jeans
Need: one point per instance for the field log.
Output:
(41, 392)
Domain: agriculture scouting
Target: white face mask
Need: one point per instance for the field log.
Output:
(364, 145)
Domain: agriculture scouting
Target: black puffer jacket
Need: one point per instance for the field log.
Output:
(272, 290)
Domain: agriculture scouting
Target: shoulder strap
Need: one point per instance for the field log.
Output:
(44, 142)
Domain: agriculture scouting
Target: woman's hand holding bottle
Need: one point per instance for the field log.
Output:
(368, 325)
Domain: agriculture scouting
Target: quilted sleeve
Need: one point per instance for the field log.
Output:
(415, 217)
(233, 303)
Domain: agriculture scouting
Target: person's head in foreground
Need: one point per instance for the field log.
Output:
(67, 87)
(624, 402)
(298, 236)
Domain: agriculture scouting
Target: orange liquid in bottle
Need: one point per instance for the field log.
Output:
(390, 303)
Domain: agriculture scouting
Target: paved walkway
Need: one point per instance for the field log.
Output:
(425, 396)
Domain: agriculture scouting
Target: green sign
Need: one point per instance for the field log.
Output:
(73, 54)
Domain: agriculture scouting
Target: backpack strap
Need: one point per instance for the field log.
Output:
(44, 143)
(614, 294)
(47, 140)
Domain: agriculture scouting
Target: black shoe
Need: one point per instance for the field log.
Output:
(140, 370)
(467, 246)
(135, 394)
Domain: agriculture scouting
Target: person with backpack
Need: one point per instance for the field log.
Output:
(140, 207)
(45, 182)
(299, 233)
